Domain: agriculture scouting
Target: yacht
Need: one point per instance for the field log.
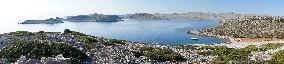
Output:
(194, 38)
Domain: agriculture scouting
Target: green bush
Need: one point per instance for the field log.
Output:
(114, 41)
(41, 35)
(187, 47)
(277, 58)
(89, 41)
(161, 54)
(265, 47)
(37, 50)
(20, 33)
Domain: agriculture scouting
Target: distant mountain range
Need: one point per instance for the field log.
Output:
(189, 15)
(141, 16)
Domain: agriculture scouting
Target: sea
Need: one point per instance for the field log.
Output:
(167, 32)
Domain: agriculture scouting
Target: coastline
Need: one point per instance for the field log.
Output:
(232, 42)
(236, 42)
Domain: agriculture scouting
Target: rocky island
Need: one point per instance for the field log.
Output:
(47, 21)
(143, 16)
(94, 18)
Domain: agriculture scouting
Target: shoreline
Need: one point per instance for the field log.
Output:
(232, 42)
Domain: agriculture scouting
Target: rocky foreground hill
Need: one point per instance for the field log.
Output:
(77, 48)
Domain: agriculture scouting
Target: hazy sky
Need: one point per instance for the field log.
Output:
(40, 9)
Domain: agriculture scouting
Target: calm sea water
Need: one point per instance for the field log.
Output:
(169, 32)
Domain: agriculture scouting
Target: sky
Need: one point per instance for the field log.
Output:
(19, 10)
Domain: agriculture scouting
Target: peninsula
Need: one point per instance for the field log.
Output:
(248, 29)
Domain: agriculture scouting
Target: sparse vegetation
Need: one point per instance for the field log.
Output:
(20, 33)
(89, 41)
(38, 49)
(187, 47)
(277, 58)
(161, 54)
(225, 54)
(114, 41)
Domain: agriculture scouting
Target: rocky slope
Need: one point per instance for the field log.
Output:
(249, 27)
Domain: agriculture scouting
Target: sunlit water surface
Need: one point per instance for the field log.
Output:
(169, 32)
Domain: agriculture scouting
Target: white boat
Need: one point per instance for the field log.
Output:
(194, 38)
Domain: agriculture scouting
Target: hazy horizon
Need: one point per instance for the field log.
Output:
(19, 10)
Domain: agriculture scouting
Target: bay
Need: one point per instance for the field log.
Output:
(169, 32)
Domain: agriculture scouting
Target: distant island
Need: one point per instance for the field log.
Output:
(143, 16)
(94, 18)
(80, 18)
(47, 21)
